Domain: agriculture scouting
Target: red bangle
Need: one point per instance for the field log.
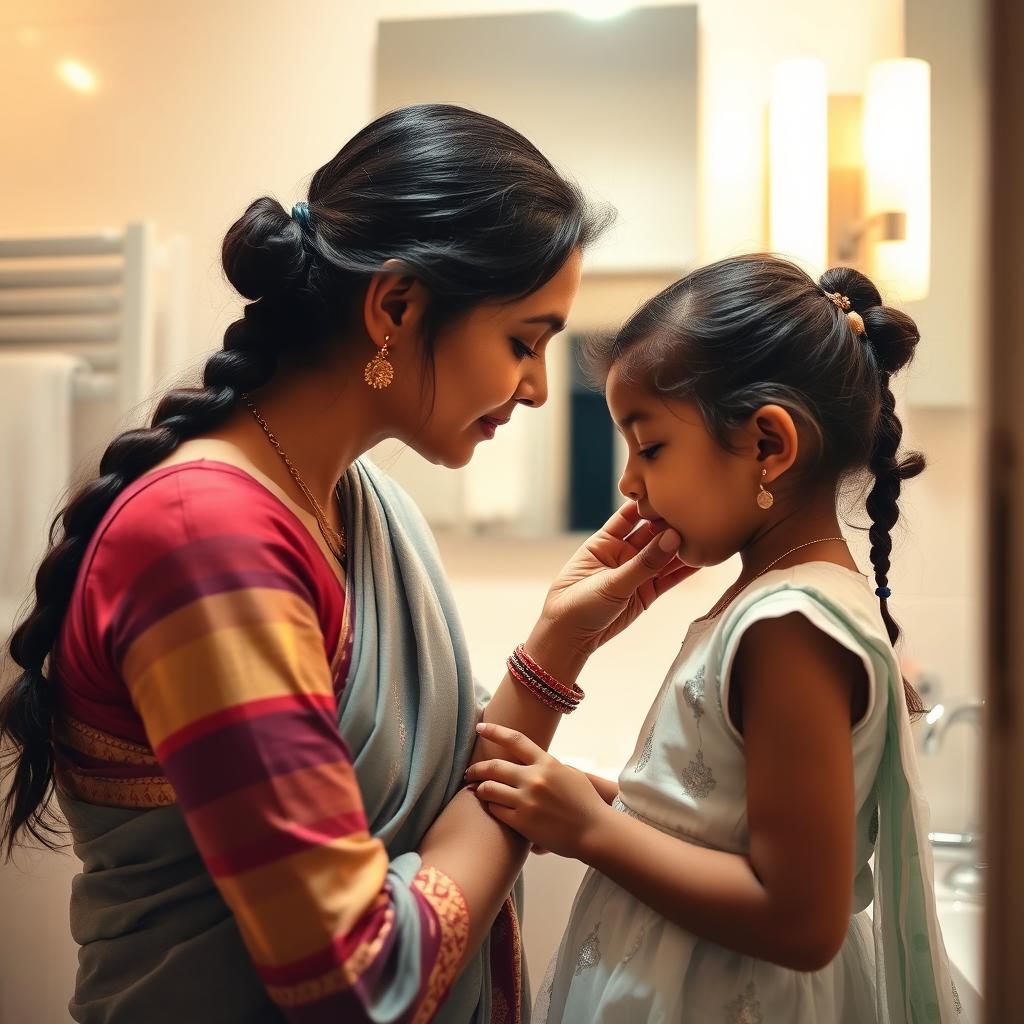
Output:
(542, 685)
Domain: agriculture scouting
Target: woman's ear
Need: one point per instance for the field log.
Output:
(774, 437)
(394, 305)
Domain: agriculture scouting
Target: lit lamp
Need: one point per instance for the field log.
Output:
(798, 163)
(850, 176)
(897, 162)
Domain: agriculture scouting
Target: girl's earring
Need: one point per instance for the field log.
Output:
(765, 499)
(379, 372)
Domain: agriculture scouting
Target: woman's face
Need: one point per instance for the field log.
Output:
(486, 363)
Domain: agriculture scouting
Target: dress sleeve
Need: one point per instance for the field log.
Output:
(220, 645)
(823, 614)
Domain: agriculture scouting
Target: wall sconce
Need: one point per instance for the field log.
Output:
(876, 175)
(897, 162)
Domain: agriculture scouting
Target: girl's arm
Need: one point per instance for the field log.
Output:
(607, 789)
(789, 900)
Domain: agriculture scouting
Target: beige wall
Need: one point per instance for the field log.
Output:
(202, 106)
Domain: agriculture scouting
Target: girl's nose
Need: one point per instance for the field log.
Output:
(630, 487)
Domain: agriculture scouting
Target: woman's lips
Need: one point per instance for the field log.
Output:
(489, 425)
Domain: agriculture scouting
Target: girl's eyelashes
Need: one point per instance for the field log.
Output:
(650, 451)
(522, 350)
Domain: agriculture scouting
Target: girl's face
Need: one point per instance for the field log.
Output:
(486, 363)
(678, 473)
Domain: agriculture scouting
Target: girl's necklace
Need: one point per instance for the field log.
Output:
(733, 591)
(335, 540)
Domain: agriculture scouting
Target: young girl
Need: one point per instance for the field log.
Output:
(730, 877)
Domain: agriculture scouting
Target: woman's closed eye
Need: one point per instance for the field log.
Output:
(522, 350)
(650, 451)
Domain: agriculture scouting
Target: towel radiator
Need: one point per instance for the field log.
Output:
(90, 295)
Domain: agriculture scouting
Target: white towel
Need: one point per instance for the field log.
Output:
(36, 408)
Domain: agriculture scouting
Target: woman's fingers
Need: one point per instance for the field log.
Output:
(624, 519)
(666, 580)
(498, 771)
(623, 582)
(521, 747)
(643, 534)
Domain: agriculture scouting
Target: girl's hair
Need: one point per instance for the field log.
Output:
(756, 330)
(466, 204)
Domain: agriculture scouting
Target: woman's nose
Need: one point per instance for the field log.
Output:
(533, 388)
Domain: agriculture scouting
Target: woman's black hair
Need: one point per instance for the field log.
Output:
(466, 204)
(756, 330)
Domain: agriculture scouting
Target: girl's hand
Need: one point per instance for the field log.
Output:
(615, 575)
(554, 806)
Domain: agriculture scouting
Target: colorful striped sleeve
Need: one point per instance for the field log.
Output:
(219, 642)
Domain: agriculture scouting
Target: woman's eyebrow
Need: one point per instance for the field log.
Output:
(553, 320)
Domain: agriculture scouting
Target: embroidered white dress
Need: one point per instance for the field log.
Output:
(620, 962)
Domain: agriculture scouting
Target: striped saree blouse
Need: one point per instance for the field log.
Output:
(200, 664)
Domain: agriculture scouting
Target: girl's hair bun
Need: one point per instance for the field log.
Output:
(890, 333)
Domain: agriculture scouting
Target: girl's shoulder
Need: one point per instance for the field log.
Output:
(839, 602)
(816, 589)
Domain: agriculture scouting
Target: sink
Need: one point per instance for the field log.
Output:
(963, 922)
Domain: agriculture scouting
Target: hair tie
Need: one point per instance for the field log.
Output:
(300, 213)
(842, 303)
(883, 592)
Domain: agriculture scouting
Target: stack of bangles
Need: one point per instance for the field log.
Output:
(545, 688)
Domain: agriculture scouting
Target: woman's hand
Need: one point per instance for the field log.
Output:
(554, 806)
(615, 575)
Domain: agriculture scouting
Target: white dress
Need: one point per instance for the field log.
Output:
(621, 962)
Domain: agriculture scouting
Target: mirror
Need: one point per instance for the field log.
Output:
(613, 104)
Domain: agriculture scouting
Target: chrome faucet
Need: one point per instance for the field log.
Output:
(940, 721)
(966, 879)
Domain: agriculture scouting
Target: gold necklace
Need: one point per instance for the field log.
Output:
(733, 591)
(335, 540)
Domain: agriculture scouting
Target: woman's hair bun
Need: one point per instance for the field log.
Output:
(263, 252)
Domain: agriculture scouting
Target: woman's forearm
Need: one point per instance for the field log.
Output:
(516, 708)
(480, 854)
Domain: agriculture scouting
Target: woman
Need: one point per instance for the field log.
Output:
(243, 673)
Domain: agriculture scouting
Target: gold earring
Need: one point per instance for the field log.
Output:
(379, 373)
(765, 499)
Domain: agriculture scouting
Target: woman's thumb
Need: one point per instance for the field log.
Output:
(644, 565)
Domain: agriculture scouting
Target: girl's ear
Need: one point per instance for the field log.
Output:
(394, 305)
(772, 434)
